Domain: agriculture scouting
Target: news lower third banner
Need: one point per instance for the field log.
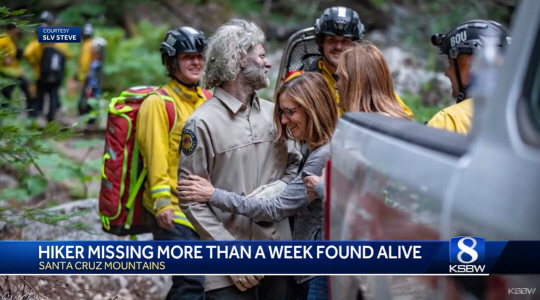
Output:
(459, 256)
(65, 34)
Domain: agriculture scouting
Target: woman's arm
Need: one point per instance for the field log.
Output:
(293, 198)
(286, 204)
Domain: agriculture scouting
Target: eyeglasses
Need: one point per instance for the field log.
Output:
(287, 111)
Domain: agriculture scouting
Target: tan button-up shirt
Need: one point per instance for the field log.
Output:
(233, 145)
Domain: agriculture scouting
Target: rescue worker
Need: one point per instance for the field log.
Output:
(85, 59)
(459, 45)
(46, 18)
(33, 54)
(182, 56)
(231, 141)
(10, 65)
(335, 31)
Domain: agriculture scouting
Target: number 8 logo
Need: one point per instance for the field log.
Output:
(466, 249)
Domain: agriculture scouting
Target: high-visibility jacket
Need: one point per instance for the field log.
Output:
(160, 151)
(85, 58)
(9, 64)
(457, 117)
(33, 52)
(319, 66)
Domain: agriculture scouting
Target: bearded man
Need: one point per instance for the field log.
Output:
(230, 141)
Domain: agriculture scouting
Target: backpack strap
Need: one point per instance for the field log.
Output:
(313, 66)
(137, 181)
(170, 107)
(207, 94)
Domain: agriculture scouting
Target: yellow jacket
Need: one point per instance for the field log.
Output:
(160, 151)
(332, 83)
(9, 64)
(456, 118)
(85, 58)
(34, 50)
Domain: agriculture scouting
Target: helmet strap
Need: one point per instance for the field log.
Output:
(462, 95)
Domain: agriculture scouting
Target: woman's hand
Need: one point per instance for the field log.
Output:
(311, 182)
(246, 282)
(195, 189)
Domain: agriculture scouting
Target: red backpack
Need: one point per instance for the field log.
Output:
(122, 171)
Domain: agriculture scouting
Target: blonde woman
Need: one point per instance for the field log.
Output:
(364, 84)
(305, 112)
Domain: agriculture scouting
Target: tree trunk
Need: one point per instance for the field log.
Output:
(129, 25)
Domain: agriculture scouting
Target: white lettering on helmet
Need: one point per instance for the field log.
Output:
(171, 40)
(342, 12)
(458, 38)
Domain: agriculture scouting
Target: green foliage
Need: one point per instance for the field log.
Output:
(19, 194)
(245, 7)
(21, 143)
(55, 218)
(422, 113)
(380, 4)
(77, 15)
(8, 17)
(134, 61)
(16, 143)
(80, 174)
(29, 186)
(438, 16)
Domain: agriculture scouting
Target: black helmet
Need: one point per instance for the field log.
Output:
(46, 17)
(339, 20)
(87, 30)
(183, 39)
(466, 37)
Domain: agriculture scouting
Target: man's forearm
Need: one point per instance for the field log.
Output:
(205, 222)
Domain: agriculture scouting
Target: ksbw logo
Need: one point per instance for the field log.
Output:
(467, 254)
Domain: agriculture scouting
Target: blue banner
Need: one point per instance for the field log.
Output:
(461, 257)
(59, 34)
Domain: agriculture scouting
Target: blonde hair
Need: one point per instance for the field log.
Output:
(311, 92)
(367, 83)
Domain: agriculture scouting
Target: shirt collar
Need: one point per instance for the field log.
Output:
(327, 75)
(189, 94)
(232, 103)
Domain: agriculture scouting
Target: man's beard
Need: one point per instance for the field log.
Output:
(255, 77)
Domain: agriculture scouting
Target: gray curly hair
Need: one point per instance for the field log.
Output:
(226, 48)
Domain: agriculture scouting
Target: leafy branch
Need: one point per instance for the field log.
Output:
(53, 218)
(20, 146)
